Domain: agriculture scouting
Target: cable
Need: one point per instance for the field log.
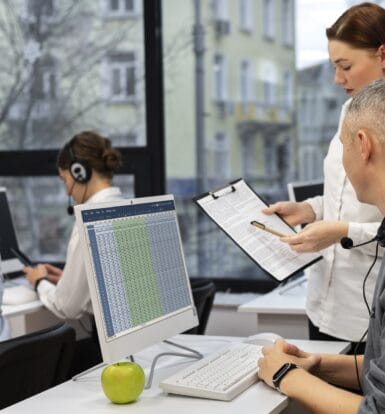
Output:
(370, 314)
(366, 278)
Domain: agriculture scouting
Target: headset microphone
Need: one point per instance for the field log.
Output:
(70, 208)
(347, 242)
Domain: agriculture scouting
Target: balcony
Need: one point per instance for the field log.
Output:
(265, 113)
(258, 115)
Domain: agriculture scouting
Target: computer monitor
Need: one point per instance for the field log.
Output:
(301, 190)
(136, 273)
(8, 240)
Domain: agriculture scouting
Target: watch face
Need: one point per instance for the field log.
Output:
(285, 368)
(281, 371)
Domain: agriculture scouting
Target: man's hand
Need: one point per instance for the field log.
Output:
(274, 357)
(292, 213)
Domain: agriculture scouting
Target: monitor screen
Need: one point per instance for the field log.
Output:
(136, 272)
(7, 237)
(301, 190)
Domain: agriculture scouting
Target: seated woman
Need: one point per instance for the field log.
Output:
(86, 165)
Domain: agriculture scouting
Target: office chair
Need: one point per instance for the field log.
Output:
(203, 291)
(32, 363)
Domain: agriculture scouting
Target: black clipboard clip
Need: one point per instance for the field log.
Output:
(215, 195)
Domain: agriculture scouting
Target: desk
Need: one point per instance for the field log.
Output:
(281, 311)
(33, 316)
(86, 396)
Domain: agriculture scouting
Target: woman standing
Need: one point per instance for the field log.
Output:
(335, 305)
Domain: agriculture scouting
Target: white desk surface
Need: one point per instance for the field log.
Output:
(86, 396)
(22, 308)
(280, 300)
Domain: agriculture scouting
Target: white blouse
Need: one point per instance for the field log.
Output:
(335, 301)
(70, 298)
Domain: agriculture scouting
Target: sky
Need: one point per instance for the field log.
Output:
(312, 18)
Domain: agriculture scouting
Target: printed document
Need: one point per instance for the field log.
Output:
(233, 208)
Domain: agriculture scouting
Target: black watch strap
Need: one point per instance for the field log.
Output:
(280, 374)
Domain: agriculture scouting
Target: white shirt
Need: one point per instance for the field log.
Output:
(70, 298)
(335, 301)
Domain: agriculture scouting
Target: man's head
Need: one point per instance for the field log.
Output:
(363, 139)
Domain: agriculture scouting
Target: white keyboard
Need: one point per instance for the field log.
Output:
(220, 376)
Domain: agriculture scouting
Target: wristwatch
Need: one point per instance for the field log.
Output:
(277, 377)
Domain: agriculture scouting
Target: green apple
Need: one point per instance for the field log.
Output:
(123, 382)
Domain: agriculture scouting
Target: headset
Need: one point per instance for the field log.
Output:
(347, 242)
(80, 170)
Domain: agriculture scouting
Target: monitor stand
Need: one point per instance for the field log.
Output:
(193, 354)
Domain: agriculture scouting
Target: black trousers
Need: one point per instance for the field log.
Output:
(315, 334)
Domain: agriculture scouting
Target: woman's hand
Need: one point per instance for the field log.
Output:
(317, 236)
(292, 213)
(33, 274)
(53, 273)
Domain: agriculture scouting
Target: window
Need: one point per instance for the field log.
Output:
(37, 9)
(122, 69)
(287, 89)
(220, 10)
(268, 19)
(221, 156)
(121, 8)
(51, 89)
(287, 23)
(269, 93)
(220, 78)
(246, 15)
(44, 83)
(248, 157)
(246, 84)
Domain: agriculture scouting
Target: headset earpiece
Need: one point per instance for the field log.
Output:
(80, 170)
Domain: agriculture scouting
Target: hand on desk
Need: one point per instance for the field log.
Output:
(317, 236)
(280, 353)
(39, 271)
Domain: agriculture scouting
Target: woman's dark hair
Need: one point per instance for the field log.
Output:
(362, 27)
(94, 150)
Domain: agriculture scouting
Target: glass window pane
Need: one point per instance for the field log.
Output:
(57, 72)
(241, 109)
(39, 211)
(114, 4)
(129, 5)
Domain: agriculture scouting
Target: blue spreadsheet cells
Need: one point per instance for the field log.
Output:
(139, 269)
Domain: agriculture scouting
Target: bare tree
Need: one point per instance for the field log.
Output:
(50, 78)
(51, 85)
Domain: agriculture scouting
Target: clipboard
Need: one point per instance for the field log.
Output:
(233, 208)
